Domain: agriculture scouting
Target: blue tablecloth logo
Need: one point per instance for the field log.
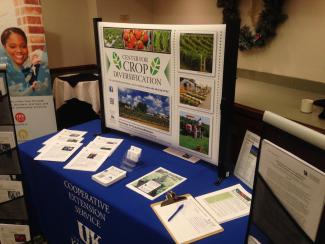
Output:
(87, 235)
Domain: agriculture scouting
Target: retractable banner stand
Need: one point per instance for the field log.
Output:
(23, 49)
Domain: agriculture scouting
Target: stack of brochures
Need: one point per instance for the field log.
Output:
(91, 157)
(61, 146)
(109, 176)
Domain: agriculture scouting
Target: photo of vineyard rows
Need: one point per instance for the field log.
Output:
(196, 52)
(194, 132)
(196, 93)
(145, 108)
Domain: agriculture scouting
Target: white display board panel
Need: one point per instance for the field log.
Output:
(164, 83)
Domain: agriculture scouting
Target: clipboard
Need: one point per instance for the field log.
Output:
(181, 227)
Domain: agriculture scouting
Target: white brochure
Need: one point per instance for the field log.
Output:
(14, 234)
(156, 183)
(65, 133)
(246, 163)
(61, 139)
(88, 160)
(58, 152)
(227, 204)
(108, 141)
(109, 144)
(10, 189)
(7, 140)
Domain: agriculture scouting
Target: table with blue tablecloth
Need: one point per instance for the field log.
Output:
(67, 206)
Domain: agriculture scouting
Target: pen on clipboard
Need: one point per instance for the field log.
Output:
(176, 212)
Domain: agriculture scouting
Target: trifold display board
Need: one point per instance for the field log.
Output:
(164, 83)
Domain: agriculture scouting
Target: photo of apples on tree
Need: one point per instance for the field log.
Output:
(137, 39)
(196, 51)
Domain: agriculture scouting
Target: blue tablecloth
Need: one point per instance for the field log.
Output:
(68, 206)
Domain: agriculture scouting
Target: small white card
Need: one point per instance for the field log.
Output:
(109, 176)
(182, 155)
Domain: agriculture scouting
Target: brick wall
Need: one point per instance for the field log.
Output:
(29, 18)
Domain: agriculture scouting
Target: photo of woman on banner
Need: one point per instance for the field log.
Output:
(28, 75)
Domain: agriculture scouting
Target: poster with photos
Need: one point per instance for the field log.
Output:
(164, 83)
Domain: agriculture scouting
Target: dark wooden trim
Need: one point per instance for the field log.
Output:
(252, 113)
(257, 115)
(74, 68)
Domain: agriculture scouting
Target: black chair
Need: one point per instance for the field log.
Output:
(74, 112)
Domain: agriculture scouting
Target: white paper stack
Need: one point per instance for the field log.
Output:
(105, 144)
(88, 159)
(65, 135)
(91, 157)
(58, 151)
(109, 176)
(61, 146)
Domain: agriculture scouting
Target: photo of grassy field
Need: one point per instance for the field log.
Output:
(196, 52)
(161, 41)
(146, 108)
(113, 37)
(194, 132)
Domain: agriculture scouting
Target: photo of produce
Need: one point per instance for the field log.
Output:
(161, 41)
(195, 92)
(113, 37)
(196, 52)
(145, 108)
(194, 132)
(137, 39)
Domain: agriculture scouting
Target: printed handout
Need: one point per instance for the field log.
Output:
(10, 189)
(297, 184)
(156, 183)
(65, 133)
(7, 141)
(88, 159)
(61, 139)
(58, 152)
(12, 233)
(246, 163)
(227, 204)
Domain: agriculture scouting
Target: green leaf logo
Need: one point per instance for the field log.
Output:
(117, 60)
(155, 66)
